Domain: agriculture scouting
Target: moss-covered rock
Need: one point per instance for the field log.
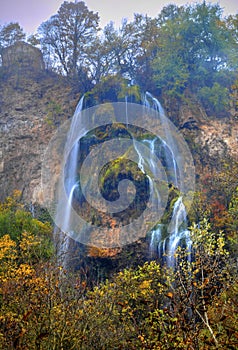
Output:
(113, 88)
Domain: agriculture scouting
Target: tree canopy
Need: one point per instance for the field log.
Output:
(10, 34)
(184, 47)
(67, 36)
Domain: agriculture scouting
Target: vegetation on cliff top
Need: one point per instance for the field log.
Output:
(184, 48)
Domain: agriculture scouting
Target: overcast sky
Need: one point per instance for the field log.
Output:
(31, 13)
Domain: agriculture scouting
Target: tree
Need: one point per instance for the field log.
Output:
(15, 221)
(66, 36)
(232, 25)
(156, 308)
(170, 70)
(212, 35)
(33, 40)
(37, 305)
(42, 306)
(116, 50)
(99, 56)
(144, 49)
(215, 98)
(195, 49)
(10, 34)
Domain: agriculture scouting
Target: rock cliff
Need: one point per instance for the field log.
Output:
(31, 107)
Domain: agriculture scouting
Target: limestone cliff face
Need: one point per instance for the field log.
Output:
(31, 107)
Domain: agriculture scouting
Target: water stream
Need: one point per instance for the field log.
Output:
(70, 175)
(165, 239)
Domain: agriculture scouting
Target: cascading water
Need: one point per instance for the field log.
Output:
(168, 143)
(165, 237)
(177, 232)
(70, 177)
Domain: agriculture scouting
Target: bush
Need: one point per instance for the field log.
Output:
(215, 99)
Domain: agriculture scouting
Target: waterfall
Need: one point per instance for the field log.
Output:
(164, 244)
(149, 163)
(126, 99)
(155, 241)
(168, 142)
(32, 209)
(71, 150)
(179, 234)
(164, 237)
(140, 157)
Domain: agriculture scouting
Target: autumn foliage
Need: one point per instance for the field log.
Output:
(43, 306)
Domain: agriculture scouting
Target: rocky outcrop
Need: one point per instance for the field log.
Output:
(22, 56)
(216, 138)
(219, 138)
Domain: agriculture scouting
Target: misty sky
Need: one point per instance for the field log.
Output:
(31, 13)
